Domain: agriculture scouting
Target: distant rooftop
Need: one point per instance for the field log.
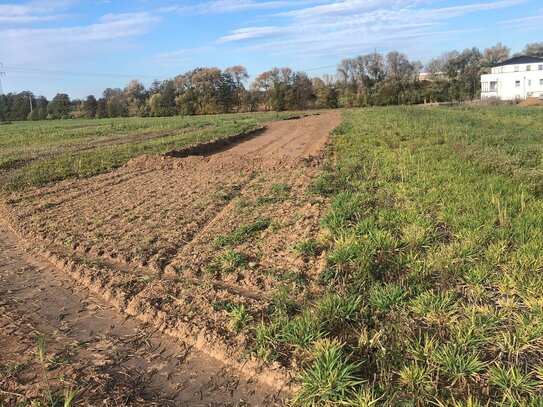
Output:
(520, 60)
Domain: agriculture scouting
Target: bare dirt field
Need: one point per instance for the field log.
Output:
(177, 242)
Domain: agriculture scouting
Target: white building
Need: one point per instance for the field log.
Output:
(516, 78)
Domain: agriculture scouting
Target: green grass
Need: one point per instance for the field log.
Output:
(61, 397)
(229, 262)
(241, 233)
(330, 380)
(308, 247)
(240, 317)
(278, 192)
(434, 263)
(38, 153)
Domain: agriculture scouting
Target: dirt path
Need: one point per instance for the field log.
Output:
(293, 138)
(108, 357)
(145, 238)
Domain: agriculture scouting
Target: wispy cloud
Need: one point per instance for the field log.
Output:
(33, 12)
(342, 7)
(181, 55)
(58, 45)
(250, 33)
(354, 25)
(525, 23)
(233, 6)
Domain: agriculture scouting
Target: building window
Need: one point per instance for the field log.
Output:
(516, 68)
(541, 67)
(528, 67)
(517, 84)
(529, 94)
(541, 82)
(529, 82)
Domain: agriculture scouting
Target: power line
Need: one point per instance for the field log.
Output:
(72, 76)
(71, 73)
(113, 75)
(2, 73)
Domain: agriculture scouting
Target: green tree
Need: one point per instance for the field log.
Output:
(90, 107)
(249, 101)
(262, 86)
(227, 93)
(155, 105)
(168, 98)
(464, 72)
(4, 110)
(206, 84)
(41, 106)
(326, 92)
(136, 96)
(19, 106)
(117, 107)
(239, 74)
(101, 108)
(60, 106)
(302, 94)
(34, 115)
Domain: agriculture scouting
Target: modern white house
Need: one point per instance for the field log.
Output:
(517, 78)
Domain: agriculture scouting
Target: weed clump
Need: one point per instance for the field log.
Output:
(241, 233)
(330, 380)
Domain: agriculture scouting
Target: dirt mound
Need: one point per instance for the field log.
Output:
(532, 102)
(179, 242)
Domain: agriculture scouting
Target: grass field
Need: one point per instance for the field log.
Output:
(38, 153)
(433, 289)
(422, 284)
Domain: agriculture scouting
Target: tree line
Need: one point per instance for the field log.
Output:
(365, 80)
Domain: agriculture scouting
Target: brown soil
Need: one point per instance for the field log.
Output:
(531, 102)
(144, 237)
(111, 360)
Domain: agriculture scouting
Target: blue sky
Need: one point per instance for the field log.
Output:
(81, 47)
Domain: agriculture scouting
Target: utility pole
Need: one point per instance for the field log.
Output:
(30, 100)
(2, 73)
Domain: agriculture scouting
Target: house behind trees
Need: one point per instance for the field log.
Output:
(517, 78)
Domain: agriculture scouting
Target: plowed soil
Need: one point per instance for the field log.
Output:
(109, 359)
(155, 238)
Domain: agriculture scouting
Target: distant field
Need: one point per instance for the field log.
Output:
(433, 288)
(37, 153)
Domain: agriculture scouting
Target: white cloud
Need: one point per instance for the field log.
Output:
(342, 7)
(233, 6)
(33, 12)
(181, 55)
(249, 33)
(356, 26)
(62, 46)
(525, 23)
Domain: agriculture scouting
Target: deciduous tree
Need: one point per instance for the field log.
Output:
(534, 49)
(60, 106)
(90, 107)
